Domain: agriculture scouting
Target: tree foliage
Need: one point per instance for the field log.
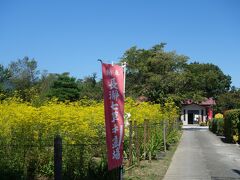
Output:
(91, 88)
(158, 74)
(20, 76)
(23, 73)
(207, 79)
(64, 88)
(152, 73)
(229, 100)
(4, 78)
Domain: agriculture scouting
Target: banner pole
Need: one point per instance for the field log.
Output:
(124, 64)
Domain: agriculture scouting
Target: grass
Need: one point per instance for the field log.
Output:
(156, 169)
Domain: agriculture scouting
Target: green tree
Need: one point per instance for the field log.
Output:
(64, 88)
(4, 82)
(4, 78)
(158, 74)
(154, 73)
(207, 79)
(228, 100)
(91, 88)
(23, 73)
(43, 87)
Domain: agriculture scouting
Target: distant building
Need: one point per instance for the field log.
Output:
(194, 113)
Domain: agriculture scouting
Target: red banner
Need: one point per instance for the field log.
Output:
(210, 113)
(114, 113)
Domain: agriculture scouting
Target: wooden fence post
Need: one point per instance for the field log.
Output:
(145, 139)
(137, 143)
(130, 144)
(57, 158)
(164, 136)
(149, 142)
(148, 131)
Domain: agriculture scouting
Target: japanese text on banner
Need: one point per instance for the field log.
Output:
(114, 109)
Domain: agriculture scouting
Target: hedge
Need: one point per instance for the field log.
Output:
(216, 125)
(232, 125)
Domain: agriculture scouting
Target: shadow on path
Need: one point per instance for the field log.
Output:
(236, 171)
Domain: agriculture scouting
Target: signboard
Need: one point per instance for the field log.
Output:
(113, 86)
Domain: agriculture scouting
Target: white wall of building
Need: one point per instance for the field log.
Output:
(193, 107)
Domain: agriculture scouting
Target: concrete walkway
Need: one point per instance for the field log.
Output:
(203, 155)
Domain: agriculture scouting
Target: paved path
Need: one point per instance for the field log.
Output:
(202, 155)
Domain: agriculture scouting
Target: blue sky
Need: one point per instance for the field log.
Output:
(69, 36)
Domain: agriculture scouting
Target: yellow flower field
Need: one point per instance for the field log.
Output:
(23, 126)
(75, 122)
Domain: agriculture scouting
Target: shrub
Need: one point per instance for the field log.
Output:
(203, 124)
(210, 125)
(213, 125)
(239, 131)
(216, 125)
(231, 125)
(220, 127)
(218, 116)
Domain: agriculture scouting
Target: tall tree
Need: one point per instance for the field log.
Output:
(44, 85)
(64, 88)
(4, 79)
(154, 73)
(91, 88)
(23, 73)
(228, 100)
(158, 74)
(208, 79)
